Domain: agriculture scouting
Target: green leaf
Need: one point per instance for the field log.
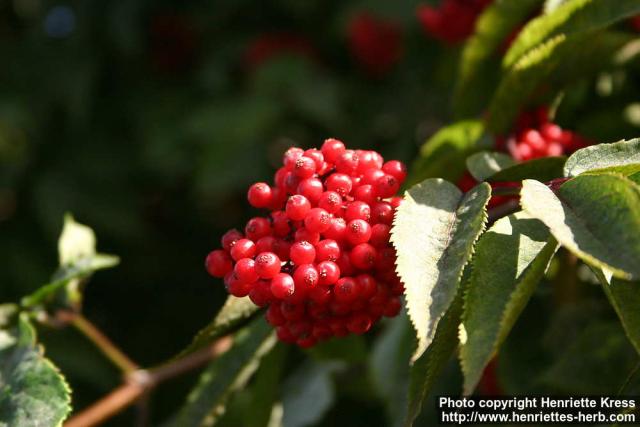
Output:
(493, 27)
(597, 217)
(234, 314)
(620, 157)
(624, 296)
(78, 261)
(549, 67)
(572, 17)
(443, 155)
(434, 231)
(308, 393)
(510, 259)
(428, 366)
(33, 392)
(542, 169)
(230, 372)
(485, 164)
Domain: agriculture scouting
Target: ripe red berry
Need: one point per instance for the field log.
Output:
(358, 231)
(380, 234)
(257, 228)
(327, 250)
(297, 207)
(366, 286)
(243, 248)
(365, 193)
(340, 183)
(304, 167)
(359, 323)
(309, 236)
(357, 210)
(363, 256)
(282, 286)
(396, 169)
(245, 270)
(274, 315)
(317, 220)
(332, 149)
(230, 238)
(347, 163)
(265, 244)
(267, 265)
(291, 156)
(302, 252)
(237, 287)
(386, 186)
(312, 189)
(261, 294)
(330, 201)
(328, 273)
(259, 195)
(218, 263)
(337, 230)
(382, 213)
(305, 276)
(281, 227)
(344, 290)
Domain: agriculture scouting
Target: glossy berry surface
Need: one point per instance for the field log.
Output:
(320, 262)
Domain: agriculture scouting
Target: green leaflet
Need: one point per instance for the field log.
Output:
(543, 169)
(484, 164)
(510, 259)
(427, 367)
(620, 157)
(552, 65)
(206, 402)
(597, 217)
(235, 313)
(33, 392)
(624, 296)
(443, 155)
(434, 231)
(493, 27)
(571, 17)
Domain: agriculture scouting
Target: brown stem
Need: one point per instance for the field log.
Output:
(104, 344)
(503, 209)
(140, 382)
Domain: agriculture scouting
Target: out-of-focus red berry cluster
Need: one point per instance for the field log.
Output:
(321, 261)
(374, 42)
(536, 136)
(272, 45)
(453, 21)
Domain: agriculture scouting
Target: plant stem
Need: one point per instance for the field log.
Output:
(138, 383)
(104, 344)
(504, 209)
(505, 191)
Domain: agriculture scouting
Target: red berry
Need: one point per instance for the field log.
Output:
(257, 228)
(317, 220)
(265, 244)
(237, 287)
(382, 213)
(380, 234)
(332, 149)
(344, 290)
(357, 210)
(274, 315)
(302, 252)
(358, 231)
(282, 286)
(245, 270)
(365, 193)
(347, 163)
(297, 207)
(230, 238)
(267, 265)
(320, 295)
(292, 311)
(396, 169)
(304, 167)
(290, 157)
(386, 186)
(218, 263)
(281, 227)
(328, 273)
(359, 323)
(363, 256)
(366, 161)
(366, 286)
(340, 183)
(285, 335)
(261, 294)
(345, 264)
(330, 201)
(317, 156)
(259, 195)
(309, 236)
(371, 176)
(312, 189)
(393, 307)
(243, 248)
(337, 230)
(305, 276)
(327, 250)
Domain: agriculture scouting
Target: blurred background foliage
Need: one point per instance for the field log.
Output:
(149, 119)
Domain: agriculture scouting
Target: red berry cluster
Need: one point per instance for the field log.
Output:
(536, 136)
(375, 43)
(453, 21)
(321, 262)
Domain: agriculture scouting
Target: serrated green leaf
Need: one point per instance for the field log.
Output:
(33, 393)
(434, 231)
(230, 372)
(542, 169)
(597, 217)
(493, 27)
(624, 296)
(443, 155)
(510, 259)
(572, 17)
(549, 67)
(234, 314)
(428, 366)
(485, 164)
(620, 157)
